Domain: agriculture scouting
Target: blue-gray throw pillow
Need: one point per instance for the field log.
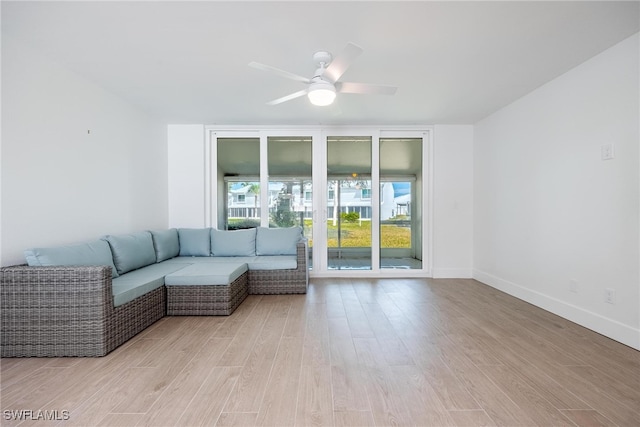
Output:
(194, 241)
(166, 244)
(277, 241)
(132, 251)
(96, 252)
(233, 243)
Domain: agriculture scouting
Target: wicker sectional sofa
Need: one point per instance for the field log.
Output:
(87, 299)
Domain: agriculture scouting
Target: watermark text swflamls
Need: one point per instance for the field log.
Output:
(37, 415)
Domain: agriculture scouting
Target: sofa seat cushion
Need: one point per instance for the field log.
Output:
(96, 252)
(183, 260)
(139, 282)
(274, 262)
(206, 274)
(264, 262)
(188, 260)
(211, 260)
(226, 260)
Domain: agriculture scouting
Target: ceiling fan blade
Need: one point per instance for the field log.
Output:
(340, 63)
(364, 88)
(279, 72)
(294, 95)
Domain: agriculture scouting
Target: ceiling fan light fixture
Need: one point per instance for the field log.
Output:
(321, 93)
(321, 88)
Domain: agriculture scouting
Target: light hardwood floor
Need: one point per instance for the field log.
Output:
(350, 352)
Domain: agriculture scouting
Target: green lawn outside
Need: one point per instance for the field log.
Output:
(353, 234)
(358, 235)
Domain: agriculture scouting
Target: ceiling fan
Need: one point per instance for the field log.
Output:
(324, 84)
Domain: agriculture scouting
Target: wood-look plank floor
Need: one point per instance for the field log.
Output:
(349, 353)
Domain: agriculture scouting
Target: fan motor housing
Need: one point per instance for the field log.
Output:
(322, 57)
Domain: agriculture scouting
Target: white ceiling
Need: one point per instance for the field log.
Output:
(453, 62)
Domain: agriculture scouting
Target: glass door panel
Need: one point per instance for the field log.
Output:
(400, 207)
(239, 166)
(349, 210)
(290, 187)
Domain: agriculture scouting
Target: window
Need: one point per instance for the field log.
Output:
(308, 196)
(241, 198)
(365, 193)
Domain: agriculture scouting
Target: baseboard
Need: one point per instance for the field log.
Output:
(452, 273)
(369, 274)
(608, 327)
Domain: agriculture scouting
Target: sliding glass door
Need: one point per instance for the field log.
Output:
(290, 188)
(400, 203)
(349, 203)
(360, 198)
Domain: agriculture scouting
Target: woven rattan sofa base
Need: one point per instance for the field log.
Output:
(266, 282)
(277, 282)
(68, 312)
(207, 300)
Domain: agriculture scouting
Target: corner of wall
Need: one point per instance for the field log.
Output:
(186, 192)
(549, 211)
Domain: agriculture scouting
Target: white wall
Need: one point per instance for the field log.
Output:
(548, 210)
(61, 184)
(452, 201)
(452, 198)
(186, 176)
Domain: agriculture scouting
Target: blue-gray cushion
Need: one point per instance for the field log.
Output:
(140, 282)
(166, 244)
(194, 241)
(206, 274)
(233, 243)
(187, 260)
(277, 241)
(132, 251)
(96, 252)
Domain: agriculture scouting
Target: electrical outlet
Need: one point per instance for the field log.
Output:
(573, 286)
(606, 152)
(609, 296)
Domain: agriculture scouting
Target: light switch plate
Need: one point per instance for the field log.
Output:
(606, 151)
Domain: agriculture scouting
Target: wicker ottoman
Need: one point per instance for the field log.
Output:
(206, 289)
